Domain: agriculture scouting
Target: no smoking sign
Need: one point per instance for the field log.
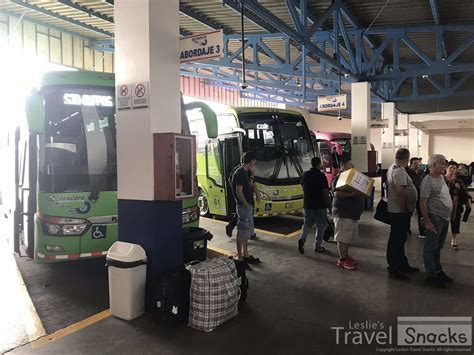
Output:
(140, 94)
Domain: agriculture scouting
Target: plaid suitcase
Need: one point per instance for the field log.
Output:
(215, 293)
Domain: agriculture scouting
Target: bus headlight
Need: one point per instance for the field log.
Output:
(262, 195)
(74, 229)
(53, 228)
(61, 226)
(190, 214)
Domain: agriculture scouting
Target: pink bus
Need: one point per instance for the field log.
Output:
(333, 147)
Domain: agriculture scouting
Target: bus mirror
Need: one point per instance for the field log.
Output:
(210, 118)
(35, 113)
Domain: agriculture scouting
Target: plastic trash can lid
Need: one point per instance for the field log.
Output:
(126, 252)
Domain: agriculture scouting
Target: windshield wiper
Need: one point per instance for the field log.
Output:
(94, 195)
(295, 162)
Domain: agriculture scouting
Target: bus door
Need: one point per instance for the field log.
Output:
(230, 155)
(326, 158)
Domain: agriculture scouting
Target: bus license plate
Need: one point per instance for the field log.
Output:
(289, 205)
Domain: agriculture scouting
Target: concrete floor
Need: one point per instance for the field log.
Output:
(294, 300)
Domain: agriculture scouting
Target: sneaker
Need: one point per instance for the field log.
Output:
(353, 260)
(320, 249)
(454, 247)
(346, 264)
(408, 268)
(422, 236)
(442, 275)
(301, 246)
(436, 281)
(228, 230)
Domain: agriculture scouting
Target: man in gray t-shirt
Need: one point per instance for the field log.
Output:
(406, 201)
(401, 202)
(436, 207)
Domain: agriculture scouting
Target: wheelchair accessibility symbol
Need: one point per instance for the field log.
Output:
(99, 232)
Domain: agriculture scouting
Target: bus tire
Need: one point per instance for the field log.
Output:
(203, 203)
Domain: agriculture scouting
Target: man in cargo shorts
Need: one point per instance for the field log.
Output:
(243, 193)
(347, 207)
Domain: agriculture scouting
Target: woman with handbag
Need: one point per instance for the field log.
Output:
(460, 198)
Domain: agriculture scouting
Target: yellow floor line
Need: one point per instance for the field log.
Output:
(293, 234)
(269, 233)
(221, 251)
(256, 229)
(71, 329)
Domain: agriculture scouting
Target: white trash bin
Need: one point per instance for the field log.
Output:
(127, 278)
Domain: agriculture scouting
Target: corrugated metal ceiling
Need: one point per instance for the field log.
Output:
(368, 13)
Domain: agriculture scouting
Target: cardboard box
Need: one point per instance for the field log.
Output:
(353, 179)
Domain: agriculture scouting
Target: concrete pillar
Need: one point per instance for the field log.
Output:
(403, 130)
(413, 141)
(388, 135)
(147, 50)
(360, 125)
(425, 146)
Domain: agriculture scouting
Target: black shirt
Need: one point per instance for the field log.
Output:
(241, 177)
(416, 177)
(314, 181)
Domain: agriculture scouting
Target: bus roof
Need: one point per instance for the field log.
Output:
(332, 135)
(262, 109)
(70, 77)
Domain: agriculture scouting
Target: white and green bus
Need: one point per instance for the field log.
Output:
(284, 148)
(59, 180)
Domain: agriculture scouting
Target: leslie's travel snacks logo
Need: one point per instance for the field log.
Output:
(435, 334)
(434, 331)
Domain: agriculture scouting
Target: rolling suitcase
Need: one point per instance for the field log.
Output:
(171, 304)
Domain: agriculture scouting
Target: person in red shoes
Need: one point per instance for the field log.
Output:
(347, 207)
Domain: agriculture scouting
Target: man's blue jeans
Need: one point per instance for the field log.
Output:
(433, 244)
(311, 217)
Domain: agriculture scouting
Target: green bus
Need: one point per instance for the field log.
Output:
(64, 204)
(284, 148)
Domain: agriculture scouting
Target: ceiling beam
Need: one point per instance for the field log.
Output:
(273, 21)
(186, 10)
(41, 23)
(437, 20)
(84, 9)
(61, 17)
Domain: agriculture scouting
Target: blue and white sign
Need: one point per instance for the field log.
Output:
(331, 103)
(202, 46)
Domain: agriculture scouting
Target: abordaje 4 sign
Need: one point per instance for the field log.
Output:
(331, 103)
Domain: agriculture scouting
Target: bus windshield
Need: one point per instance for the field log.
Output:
(79, 147)
(345, 144)
(282, 143)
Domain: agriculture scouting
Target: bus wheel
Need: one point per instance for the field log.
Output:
(203, 204)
